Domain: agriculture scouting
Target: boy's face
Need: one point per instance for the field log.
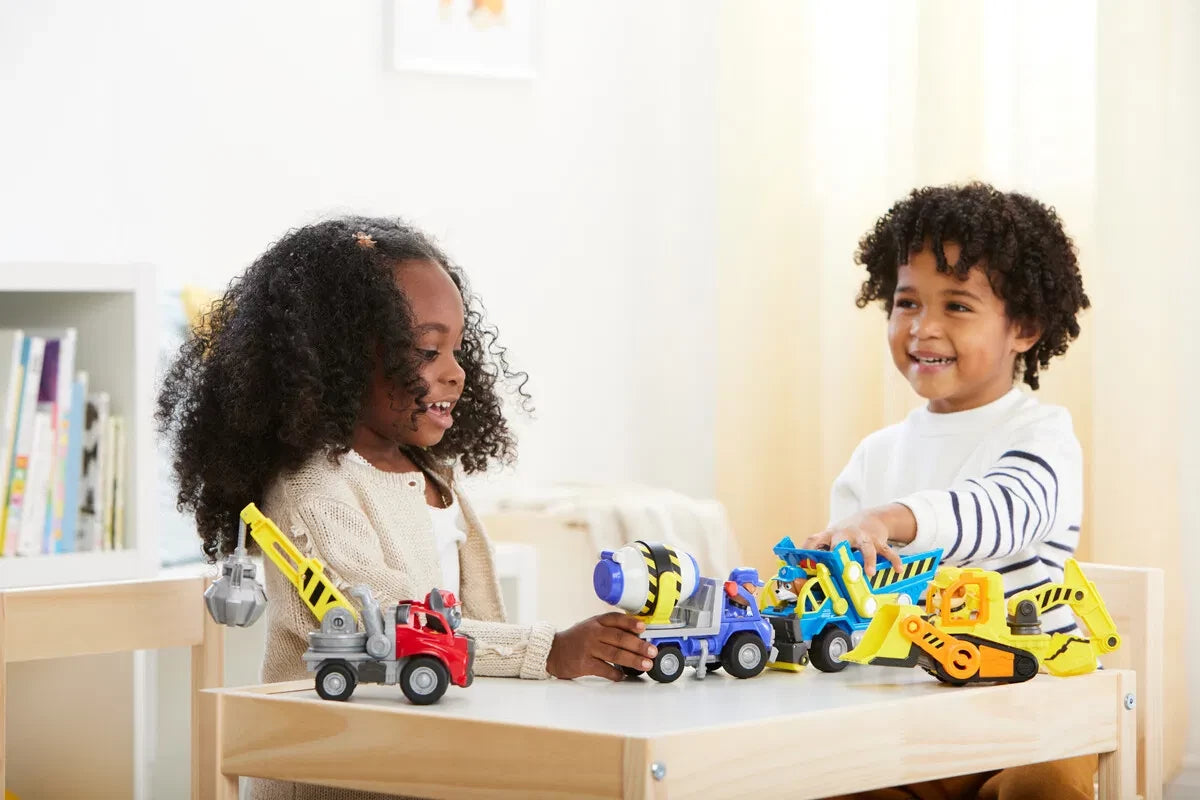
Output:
(438, 316)
(952, 339)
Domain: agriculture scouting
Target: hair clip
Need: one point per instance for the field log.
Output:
(364, 240)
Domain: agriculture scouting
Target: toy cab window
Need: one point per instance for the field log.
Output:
(814, 596)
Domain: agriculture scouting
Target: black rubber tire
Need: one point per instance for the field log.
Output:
(630, 672)
(827, 649)
(744, 655)
(336, 680)
(416, 676)
(668, 664)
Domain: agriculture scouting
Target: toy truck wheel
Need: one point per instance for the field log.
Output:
(668, 664)
(828, 648)
(423, 680)
(744, 656)
(630, 672)
(336, 681)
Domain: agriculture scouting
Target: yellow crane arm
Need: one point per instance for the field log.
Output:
(307, 574)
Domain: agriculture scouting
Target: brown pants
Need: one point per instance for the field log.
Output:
(1069, 779)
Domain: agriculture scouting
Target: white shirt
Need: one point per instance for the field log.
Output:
(449, 529)
(998, 487)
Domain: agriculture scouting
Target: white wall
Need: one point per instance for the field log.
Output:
(580, 202)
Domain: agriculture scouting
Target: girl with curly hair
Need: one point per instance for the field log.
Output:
(340, 383)
(980, 287)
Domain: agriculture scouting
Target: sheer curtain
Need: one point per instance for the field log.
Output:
(830, 112)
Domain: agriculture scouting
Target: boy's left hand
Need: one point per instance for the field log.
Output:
(871, 533)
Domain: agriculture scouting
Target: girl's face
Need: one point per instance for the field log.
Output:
(952, 339)
(438, 316)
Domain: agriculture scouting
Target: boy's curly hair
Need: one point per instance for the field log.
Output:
(280, 366)
(1020, 243)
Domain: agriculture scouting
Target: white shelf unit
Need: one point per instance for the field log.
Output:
(113, 308)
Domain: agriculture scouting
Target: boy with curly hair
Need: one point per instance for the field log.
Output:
(980, 287)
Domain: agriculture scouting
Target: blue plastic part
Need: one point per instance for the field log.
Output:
(608, 579)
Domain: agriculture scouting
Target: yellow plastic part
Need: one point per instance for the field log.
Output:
(825, 579)
(785, 666)
(665, 587)
(856, 586)
(306, 574)
(884, 637)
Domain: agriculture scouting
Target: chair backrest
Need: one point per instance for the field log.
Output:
(1134, 597)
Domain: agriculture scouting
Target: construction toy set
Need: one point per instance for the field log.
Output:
(820, 606)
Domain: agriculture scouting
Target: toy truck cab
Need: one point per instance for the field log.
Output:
(425, 635)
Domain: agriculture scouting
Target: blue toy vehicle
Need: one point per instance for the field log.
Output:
(693, 621)
(821, 601)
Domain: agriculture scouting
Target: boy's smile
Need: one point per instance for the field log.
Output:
(952, 339)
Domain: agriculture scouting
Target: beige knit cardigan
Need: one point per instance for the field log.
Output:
(373, 527)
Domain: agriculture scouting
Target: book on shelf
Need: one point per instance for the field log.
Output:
(32, 351)
(62, 450)
(12, 373)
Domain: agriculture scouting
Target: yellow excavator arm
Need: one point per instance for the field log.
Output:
(1067, 654)
(307, 574)
(1081, 595)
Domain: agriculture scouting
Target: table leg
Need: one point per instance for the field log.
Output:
(1118, 769)
(3, 684)
(227, 787)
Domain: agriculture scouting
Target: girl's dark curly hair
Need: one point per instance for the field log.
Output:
(280, 367)
(1020, 243)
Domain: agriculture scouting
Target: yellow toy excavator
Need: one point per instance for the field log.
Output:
(967, 633)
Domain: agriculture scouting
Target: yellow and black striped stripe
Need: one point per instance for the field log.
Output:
(1053, 597)
(659, 560)
(888, 575)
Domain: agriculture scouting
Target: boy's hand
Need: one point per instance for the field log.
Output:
(871, 533)
(593, 646)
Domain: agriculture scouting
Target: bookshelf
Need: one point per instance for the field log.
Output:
(113, 307)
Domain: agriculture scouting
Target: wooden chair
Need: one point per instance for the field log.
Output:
(90, 619)
(1134, 597)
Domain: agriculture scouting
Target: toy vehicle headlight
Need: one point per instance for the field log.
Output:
(454, 617)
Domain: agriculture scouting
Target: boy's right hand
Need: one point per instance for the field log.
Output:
(594, 646)
(871, 533)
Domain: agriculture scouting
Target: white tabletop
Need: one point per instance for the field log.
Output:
(644, 708)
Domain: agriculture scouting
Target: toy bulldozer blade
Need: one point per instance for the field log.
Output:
(236, 599)
(884, 641)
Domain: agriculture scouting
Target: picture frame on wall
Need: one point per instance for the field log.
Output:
(479, 38)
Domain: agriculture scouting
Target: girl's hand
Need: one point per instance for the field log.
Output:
(594, 646)
(871, 533)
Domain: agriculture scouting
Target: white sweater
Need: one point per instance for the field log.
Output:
(998, 487)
